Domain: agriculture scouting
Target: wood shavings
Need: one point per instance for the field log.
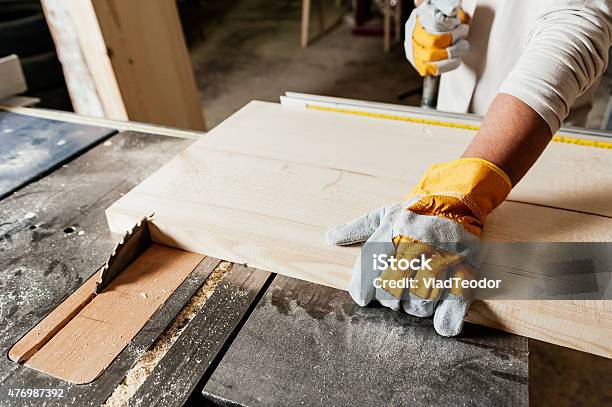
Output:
(136, 376)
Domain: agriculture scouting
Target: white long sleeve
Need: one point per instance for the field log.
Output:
(544, 52)
(565, 52)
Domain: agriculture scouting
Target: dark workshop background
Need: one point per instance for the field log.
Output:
(250, 49)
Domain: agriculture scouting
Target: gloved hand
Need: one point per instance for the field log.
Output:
(435, 36)
(441, 221)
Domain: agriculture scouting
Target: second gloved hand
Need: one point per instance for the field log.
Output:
(435, 36)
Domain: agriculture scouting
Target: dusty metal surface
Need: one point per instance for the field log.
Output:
(30, 148)
(193, 357)
(139, 373)
(307, 344)
(53, 236)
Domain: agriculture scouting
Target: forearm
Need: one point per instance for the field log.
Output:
(565, 53)
(512, 136)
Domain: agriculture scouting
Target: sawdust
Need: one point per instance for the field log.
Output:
(136, 376)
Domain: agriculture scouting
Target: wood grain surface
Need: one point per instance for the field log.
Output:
(263, 187)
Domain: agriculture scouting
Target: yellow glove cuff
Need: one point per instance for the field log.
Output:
(448, 189)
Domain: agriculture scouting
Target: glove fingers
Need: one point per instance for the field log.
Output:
(460, 33)
(449, 315)
(435, 21)
(391, 297)
(359, 230)
(438, 67)
(390, 302)
(360, 287)
(365, 273)
(418, 307)
(446, 65)
(459, 49)
(430, 55)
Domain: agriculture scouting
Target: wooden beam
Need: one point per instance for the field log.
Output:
(126, 60)
(271, 179)
(81, 50)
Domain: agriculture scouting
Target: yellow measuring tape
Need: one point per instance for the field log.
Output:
(558, 139)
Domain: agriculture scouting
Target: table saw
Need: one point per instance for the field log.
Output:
(229, 334)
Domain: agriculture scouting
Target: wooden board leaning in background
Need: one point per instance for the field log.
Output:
(126, 60)
(263, 187)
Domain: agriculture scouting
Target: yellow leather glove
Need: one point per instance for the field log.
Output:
(435, 41)
(437, 232)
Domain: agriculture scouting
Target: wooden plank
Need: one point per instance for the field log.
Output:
(12, 80)
(404, 150)
(583, 325)
(31, 148)
(190, 358)
(92, 339)
(273, 215)
(126, 60)
(84, 78)
(291, 242)
(304, 342)
(267, 201)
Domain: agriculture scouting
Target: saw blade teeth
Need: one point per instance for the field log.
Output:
(118, 248)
